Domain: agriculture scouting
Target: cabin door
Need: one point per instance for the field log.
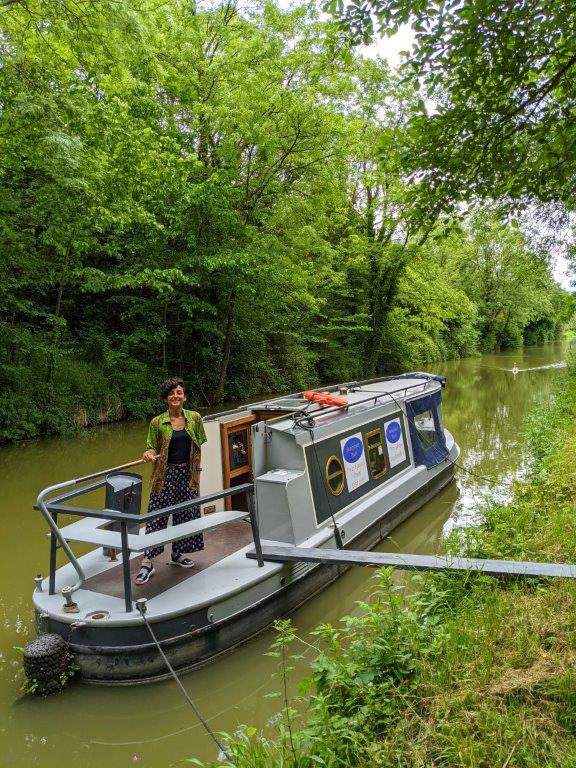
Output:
(237, 458)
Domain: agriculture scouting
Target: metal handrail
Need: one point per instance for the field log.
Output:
(50, 508)
(40, 504)
(113, 515)
(311, 416)
(327, 388)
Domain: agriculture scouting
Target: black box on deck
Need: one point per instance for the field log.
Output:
(123, 494)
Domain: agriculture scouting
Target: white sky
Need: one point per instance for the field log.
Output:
(389, 48)
(561, 274)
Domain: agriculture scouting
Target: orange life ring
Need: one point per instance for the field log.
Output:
(324, 398)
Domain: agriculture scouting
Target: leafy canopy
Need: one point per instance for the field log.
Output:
(501, 76)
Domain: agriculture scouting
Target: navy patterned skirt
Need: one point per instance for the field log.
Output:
(176, 489)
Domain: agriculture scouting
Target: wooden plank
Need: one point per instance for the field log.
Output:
(140, 542)
(500, 568)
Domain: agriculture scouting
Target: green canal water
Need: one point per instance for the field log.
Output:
(152, 726)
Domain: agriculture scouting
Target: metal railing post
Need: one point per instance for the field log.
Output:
(126, 567)
(53, 547)
(55, 534)
(255, 528)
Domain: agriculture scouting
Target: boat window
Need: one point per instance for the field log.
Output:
(439, 413)
(424, 423)
(335, 475)
(237, 449)
(375, 452)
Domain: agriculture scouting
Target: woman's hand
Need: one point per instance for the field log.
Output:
(149, 456)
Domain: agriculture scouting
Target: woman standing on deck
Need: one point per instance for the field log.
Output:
(173, 444)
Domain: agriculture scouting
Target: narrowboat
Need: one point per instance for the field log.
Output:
(340, 467)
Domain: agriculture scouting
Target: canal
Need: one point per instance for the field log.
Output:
(484, 406)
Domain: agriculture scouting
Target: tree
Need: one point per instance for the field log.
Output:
(507, 280)
(219, 193)
(501, 74)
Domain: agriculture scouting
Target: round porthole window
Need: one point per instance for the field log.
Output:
(335, 475)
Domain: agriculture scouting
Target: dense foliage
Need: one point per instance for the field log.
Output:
(501, 76)
(221, 193)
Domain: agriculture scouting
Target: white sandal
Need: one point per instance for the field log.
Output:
(144, 573)
(182, 562)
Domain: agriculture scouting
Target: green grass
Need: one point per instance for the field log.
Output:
(463, 672)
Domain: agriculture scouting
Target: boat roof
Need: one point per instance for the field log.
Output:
(394, 388)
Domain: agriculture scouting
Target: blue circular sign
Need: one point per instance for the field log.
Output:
(352, 450)
(393, 432)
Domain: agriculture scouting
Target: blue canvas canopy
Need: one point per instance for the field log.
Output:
(429, 454)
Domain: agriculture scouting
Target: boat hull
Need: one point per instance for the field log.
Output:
(126, 656)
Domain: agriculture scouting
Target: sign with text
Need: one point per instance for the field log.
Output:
(354, 461)
(394, 441)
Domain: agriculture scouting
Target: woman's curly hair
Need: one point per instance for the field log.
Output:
(170, 384)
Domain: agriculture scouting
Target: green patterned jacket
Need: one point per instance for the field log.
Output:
(159, 436)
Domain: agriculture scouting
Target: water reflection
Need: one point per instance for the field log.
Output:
(484, 405)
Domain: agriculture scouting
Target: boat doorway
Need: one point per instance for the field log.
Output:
(236, 441)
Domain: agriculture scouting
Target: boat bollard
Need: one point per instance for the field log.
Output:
(69, 606)
(38, 581)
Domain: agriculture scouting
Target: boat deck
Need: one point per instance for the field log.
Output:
(218, 544)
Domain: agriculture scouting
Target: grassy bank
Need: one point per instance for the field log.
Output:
(464, 671)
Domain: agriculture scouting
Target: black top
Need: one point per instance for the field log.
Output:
(179, 448)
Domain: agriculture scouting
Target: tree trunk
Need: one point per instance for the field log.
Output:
(218, 394)
(384, 287)
(59, 297)
(164, 332)
(56, 331)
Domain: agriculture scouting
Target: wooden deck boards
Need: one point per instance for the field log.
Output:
(218, 544)
(499, 568)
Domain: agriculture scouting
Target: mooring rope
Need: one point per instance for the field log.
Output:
(461, 467)
(141, 606)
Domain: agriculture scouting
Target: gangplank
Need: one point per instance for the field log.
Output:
(347, 557)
